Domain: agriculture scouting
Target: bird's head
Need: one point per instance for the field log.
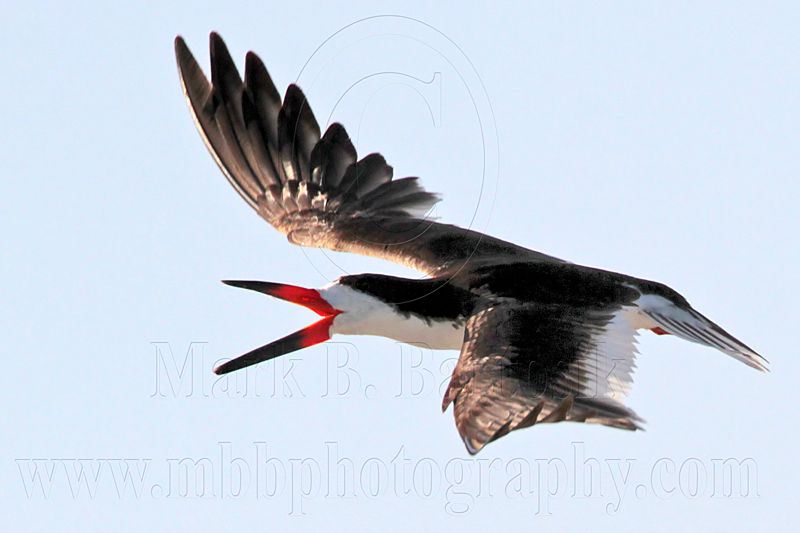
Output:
(318, 332)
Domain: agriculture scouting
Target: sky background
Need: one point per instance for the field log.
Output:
(656, 140)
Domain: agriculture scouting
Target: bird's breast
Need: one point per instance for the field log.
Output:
(427, 333)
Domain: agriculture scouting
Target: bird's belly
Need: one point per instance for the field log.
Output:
(433, 334)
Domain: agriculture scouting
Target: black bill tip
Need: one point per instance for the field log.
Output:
(309, 336)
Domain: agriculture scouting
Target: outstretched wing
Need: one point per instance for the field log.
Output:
(527, 363)
(312, 187)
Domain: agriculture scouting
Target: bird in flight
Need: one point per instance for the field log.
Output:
(540, 339)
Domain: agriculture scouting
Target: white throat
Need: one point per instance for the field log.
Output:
(363, 314)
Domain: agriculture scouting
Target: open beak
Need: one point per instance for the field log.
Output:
(309, 336)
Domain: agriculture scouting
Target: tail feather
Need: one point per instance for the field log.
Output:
(688, 324)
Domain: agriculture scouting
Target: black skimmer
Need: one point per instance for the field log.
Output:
(541, 339)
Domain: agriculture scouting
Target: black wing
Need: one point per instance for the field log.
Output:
(525, 363)
(313, 188)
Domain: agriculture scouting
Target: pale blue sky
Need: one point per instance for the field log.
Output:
(660, 141)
